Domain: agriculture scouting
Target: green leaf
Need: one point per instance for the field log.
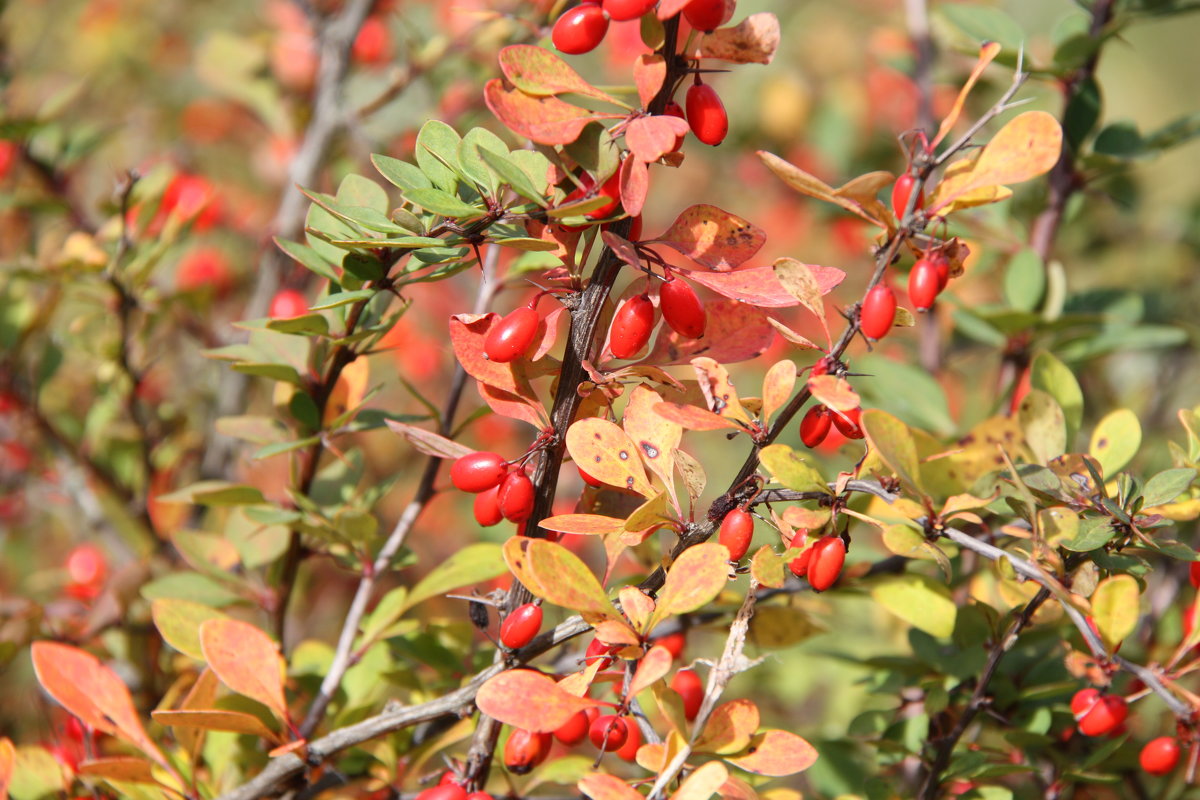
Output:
(919, 601)
(1175, 133)
(1115, 608)
(401, 173)
(1166, 486)
(215, 493)
(1082, 114)
(905, 390)
(444, 204)
(307, 325)
(308, 258)
(1025, 281)
(190, 586)
(1094, 532)
(1119, 140)
(276, 372)
(473, 163)
(1116, 440)
(526, 244)
(343, 299)
(179, 623)
(472, 564)
(364, 266)
(437, 155)
(355, 190)
(1052, 376)
(891, 439)
(283, 447)
(984, 24)
(792, 469)
(514, 176)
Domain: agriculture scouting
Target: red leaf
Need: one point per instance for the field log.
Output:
(92, 692)
(712, 237)
(246, 660)
(8, 755)
(538, 72)
(527, 699)
(649, 72)
(545, 120)
(513, 406)
(622, 248)
(776, 753)
(650, 138)
(635, 185)
(735, 332)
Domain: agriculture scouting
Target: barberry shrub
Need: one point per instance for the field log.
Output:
(717, 488)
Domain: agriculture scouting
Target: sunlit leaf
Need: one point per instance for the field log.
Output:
(606, 452)
(246, 660)
(776, 753)
(1115, 609)
(527, 699)
(712, 237)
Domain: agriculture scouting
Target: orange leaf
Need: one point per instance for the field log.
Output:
(729, 728)
(121, 768)
(514, 406)
(545, 120)
(599, 786)
(718, 389)
(637, 605)
(703, 783)
(798, 279)
(650, 138)
(349, 390)
(653, 667)
(712, 237)
(835, 392)
(634, 185)
(693, 418)
(694, 580)
(776, 753)
(246, 660)
(737, 789)
(778, 385)
(583, 524)
(813, 186)
(212, 719)
(792, 336)
(656, 437)
(555, 574)
(735, 332)
(649, 72)
(605, 452)
(754, 40)
(986, 54)
(538, 72)
(8, 755)
(525, 698)
(91, 691)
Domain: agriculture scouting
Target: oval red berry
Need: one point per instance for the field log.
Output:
(902, 191)
(878, 311)
(288, 304)
(524, 750)
(737, 529)
(682, 309)
(580, 30)
(849, 423)
(829, 554)
(610, 191)
(632, 326)
(511, 336)
(443, 791)
(1096, 714)
(1160, 755)
(633, 740)
(478, 472)
(689, 687)
(799, 564)
(487, 507)
(706, 114)
(608, 733)
(574, 730)
(815, 426)
(516, 497)
(519, 627)
(705, 15)
(923, 284)
(624, 10)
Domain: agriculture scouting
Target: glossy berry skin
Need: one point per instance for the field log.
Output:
(1194, 574)
(1160, 755)
(705, 15)
(599, 650)
(288, 304)
(829, 554)
(487, 507)
(580, 30)
(519, 627)
(516, 497)
(480, 796)
(1097, 714)
(511, 336)
(524, 750)
(799, 565)
(923, 284)
(815, 425)
(706, 114)
(689, 687)
(608, 733)
(682, 309)
(633, 740)
(902, 191)
(624, 10)
(478, 472)
(443, 791)
(575, 730)
(943, 270)
(849, 423)
(611, 191)
(878, 311)
(737, 529)
(632, 326)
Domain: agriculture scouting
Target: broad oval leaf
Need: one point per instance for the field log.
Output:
(754, 40)
(1115, 609)
(474, 563)
(246, 660)
(730, 728)
(604, 451)
(776, 753)
(694, 579)
(538, 72)
(792, 469)
(919, 601)
(703, 783)
(583, 524)
(600, 786)
(652, 668)
(525, 698)
(1116, 440)
(555, 574)
(893, 442)
(179, 623)
(713, 237)
(212, 719)
(545, 120)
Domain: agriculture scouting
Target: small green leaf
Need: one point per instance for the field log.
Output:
(1166, 486)
(215, 493)
(443, 204)
(919, 601)
(514, 176)
(307, 325)
(343, 299)
(401, 173)
(1052, 376)
(276, 372)
(308, 258)
(1094, 532)
(437, 154)
(1115, 608)
(792, 469)
(1025, 281)
(1116, 440)
(472, 162)
(472, 564)
(179, 623)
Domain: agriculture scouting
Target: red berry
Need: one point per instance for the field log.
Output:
(516, 497)
(687, 685)
(849, 423)
(487, 507)
(829, 554)
(902, 190)
(1160, 755)
(524, 750)
(373, 45)
(576, 728)
(478, 471)
(480, 796)
(823, 366)
(632, 326)
(737, 529)
(205, 268)
(519, 627)
(706, 114)
(633, 740)
(674, 642)
(288, 304)
(682, 309)
(610, 189)
(588, 479)
(815, 425)
(799, 564)
(511, 336)
(86, 565)
(1194, 574)
(923, 284)
(622, 10)
(943, 269)
(443, 791)
(580, 30)
(608, 733)
(1098, 714)
(878, 311)
(705, 15)
(599, 650)
(448, 777)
